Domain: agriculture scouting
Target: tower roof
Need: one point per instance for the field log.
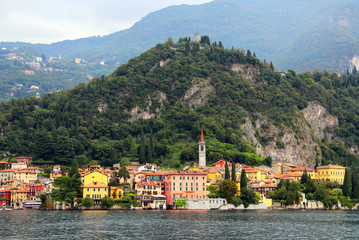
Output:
(202, 138)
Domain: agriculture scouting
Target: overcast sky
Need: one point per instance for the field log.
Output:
(47, 21)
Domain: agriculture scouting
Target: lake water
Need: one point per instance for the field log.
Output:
(127, 224)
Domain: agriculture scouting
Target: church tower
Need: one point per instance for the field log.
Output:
(202, 151)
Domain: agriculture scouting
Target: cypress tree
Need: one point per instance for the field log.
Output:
(249, 54)
(142, 156)
(149, 154)
(234, 177)
(355, 188)
(271, 66)
(151, 142)
(220, 45)
(226, 172)
(254, 54)
(347, 184)
(244, 179)
(304, 178)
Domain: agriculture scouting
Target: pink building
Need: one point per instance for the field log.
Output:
(185, 184)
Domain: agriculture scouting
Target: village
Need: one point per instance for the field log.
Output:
(150, 186)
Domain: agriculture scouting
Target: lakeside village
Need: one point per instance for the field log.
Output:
(150, 187)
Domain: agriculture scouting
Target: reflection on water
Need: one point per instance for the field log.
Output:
(127, 224)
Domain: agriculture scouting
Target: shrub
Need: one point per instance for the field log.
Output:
(87, 202)
(107, 202)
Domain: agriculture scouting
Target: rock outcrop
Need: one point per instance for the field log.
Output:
(296, 146)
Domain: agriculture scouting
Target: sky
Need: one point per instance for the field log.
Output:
(48, 21)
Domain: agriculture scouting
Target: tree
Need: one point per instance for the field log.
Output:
(149, 154)
(107, 202)
(234, 177)
(87, 202)
(248, 196)
(220, 45)
(271, 66)
(151, 142)
(142, 157)
(123, 173)
(355, 188)
(75, 176)
(244, 180)
(249, 54)
(226, 172)
(304, 178)
(355, 70)
(347, 184)
(228, 189)
(64, 191)
(43, 145)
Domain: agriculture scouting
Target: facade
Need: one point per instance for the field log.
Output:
(184, 184)
(6, 175)
(300, 170)
(95, 190)
(202, 151)
(333, 173)
(95, 186)
(5, 197)
(280, 167)
(116, 192)
(25, 176)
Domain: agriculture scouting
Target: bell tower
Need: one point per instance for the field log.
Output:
(202, 151)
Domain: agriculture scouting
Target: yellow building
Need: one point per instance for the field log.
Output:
(116, 192)
(95, 176)
(254, 173)
(22, 195)
(95, 190)
(214, 176)
(333, 173)
(95, 186)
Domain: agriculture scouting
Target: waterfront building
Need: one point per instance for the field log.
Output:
(333, 173)
(95, 186)
(185, 184)
(116, 192)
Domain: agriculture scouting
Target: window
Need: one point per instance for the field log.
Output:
(180, 184)
(197, 189)
(192, 178)
(105, 189)
(93, 196)
(180, 178)
(203, 178)
(174, 184)
(196, 184)
(174, 178)
(174, 188)
(99, 196)
(94, 189)
(186, 188)
(99, 189)
(186, 184)
(88, 189)
(187, 178)
(180, 188)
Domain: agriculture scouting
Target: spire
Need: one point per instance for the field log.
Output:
(202, 138)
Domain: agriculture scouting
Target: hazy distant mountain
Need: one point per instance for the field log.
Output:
(297, 34)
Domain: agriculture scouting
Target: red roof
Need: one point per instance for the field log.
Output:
(267, 185)
(3, 162)
(296, 169)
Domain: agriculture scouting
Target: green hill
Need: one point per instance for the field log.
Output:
(248, 112)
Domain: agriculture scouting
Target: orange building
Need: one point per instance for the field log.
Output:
(185, 184)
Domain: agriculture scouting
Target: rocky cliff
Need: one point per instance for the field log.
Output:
(297, 146)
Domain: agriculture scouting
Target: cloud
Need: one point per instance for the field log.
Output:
(46, 21)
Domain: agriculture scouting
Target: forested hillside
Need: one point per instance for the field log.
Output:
(154, 107)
